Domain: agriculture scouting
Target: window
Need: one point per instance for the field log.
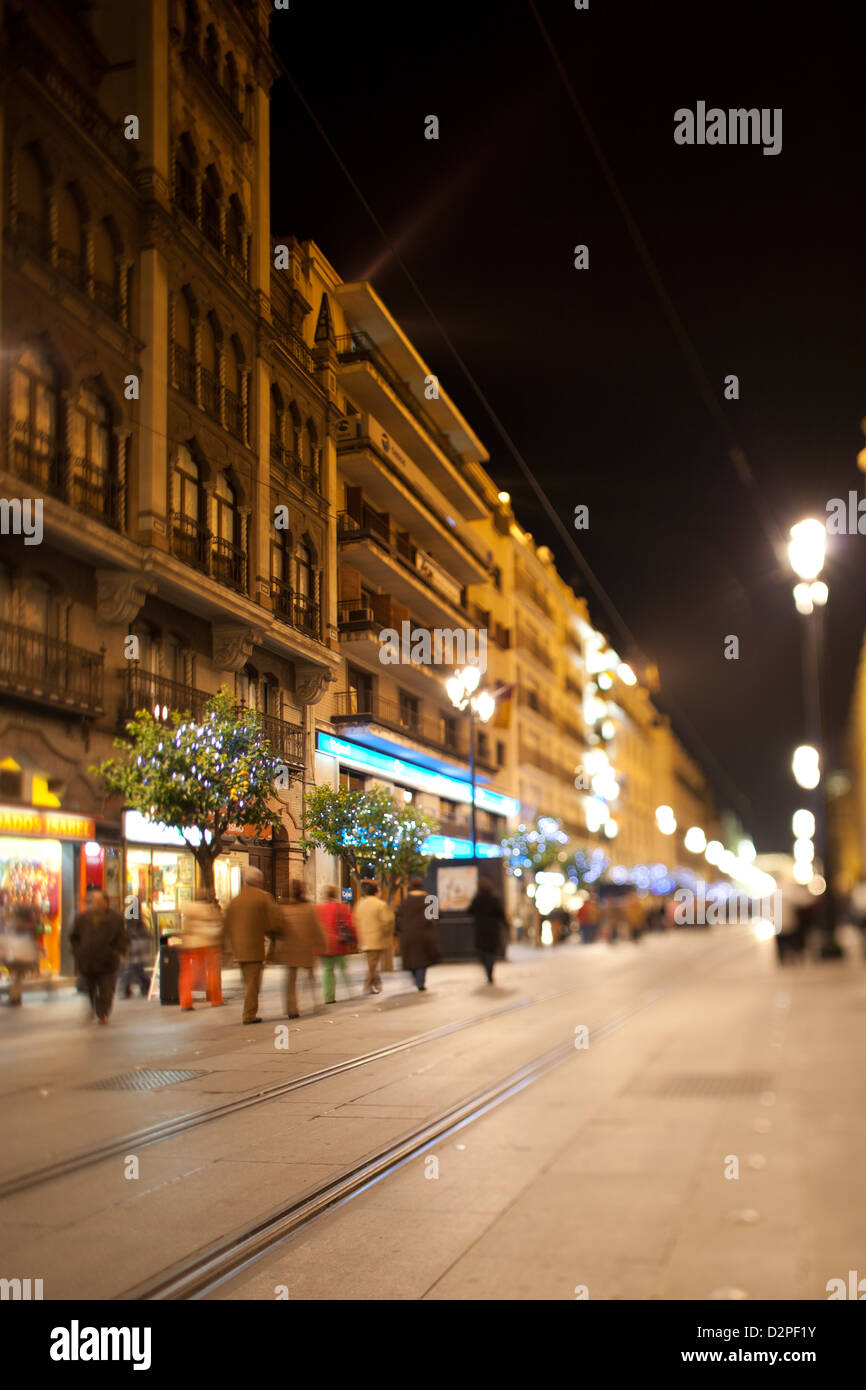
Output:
(210, 353)
(91, 446)
(188, 495)
(277, 424)
(211, 208)
(448, 730)
(34, 416)
(70, 237)
(360, 691)
(105, 269)
(234, 392)
(183, 346)
(226, 517)
(408, 711)
(228, 556)
(232, 82)
(212, 52)
(306, 585)
(500, 754)
(32, 212)
(6, 596)
(235, 235)
(186, 178)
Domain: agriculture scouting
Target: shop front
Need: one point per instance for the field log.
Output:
(43, 859)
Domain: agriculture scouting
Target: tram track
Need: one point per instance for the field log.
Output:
(207, 1269)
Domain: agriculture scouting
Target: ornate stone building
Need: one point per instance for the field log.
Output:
(168, 395)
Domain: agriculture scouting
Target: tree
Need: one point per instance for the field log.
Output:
(375, 835)
(198, 775)
(535, 848)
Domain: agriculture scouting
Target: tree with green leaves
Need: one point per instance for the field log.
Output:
(374, 834)
(198, 775)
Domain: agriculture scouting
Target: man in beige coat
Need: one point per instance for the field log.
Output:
(374, 922)
(252, 916)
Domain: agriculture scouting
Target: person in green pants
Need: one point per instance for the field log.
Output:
(342, 939)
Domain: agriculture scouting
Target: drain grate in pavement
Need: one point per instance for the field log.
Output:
(714, 1086)
(146, 1079)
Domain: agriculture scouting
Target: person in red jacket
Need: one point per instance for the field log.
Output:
(342, 939)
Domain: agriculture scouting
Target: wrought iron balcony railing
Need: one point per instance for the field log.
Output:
(190, 541)
(295, 609)
(287, 740)
(234, 408)
(79, 482)
(285, 462)
(229, 565)
(158, 695)
(48, 671)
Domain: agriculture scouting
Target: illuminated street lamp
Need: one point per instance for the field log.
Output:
(806, 552)
(464, 694)
(696, 840)
(803, 824)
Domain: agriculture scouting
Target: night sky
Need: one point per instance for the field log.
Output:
(761, 255)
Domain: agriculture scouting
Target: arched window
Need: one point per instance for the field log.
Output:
(211, 207)
(186, 177)
(295, 427)
(236, 235)
(32, 213)
(188, 532)
(278, 415)
(281, 573)
(234, 393)
(183, 345)
(106, 268)
(228, 555)
(212, 53)
(93, 454)
(192, 27)
(306, 588)
(211, 343)
(232, 82)
(34, 420)
(248, 686)
(311, 454)
(70, 236)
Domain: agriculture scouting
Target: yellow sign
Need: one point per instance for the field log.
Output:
(21, 820)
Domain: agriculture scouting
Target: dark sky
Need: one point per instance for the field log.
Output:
(762, 256)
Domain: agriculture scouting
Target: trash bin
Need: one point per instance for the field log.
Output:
(169, 971)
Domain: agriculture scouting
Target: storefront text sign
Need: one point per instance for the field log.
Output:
(56, 825)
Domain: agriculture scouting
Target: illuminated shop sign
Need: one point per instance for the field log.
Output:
(141, 831)
(443, 847)
(57, 825)
(370, 760)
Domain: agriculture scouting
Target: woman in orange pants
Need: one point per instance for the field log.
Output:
(201, 950)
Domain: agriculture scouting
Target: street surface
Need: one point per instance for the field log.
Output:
(605, 1178)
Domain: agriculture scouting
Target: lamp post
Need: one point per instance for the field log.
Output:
(806, 553)
(464, 694)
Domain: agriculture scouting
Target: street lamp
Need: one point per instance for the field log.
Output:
(464, 694)
(806, 553)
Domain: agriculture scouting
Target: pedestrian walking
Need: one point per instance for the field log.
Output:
(19, 946)
(301, 939)
(99, 942)
(560, 922)
(418, 938)
(490, 925)
(250, 917)
(140, 951)
(200, 950)
(341, 938)
(374, 921)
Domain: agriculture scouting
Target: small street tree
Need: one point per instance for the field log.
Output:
(198, 776)
(536, 847)
(374, 835)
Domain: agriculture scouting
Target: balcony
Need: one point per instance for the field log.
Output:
(107, 298)
(95, 492)
(400, 550)
(286, 740)
(227, 98)
(234, 408)
(229, 565)
(525, 586)
(351, 708)
(49, 672)
(211, 392)
(78, 482)
(528, 699)
(183, 370)
(359, 347)
(294, 345)
(72, 267)
(528, 646)
(299, 611)
(158, 695)
(190, 541)
(33, 233)
(285, 463)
